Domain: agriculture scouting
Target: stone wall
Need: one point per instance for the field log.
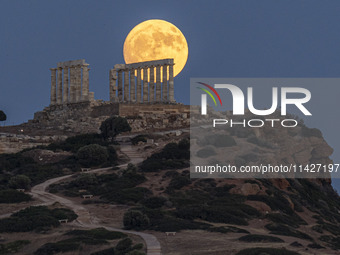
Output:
(86, 117)
(12, 143)
(57, 122)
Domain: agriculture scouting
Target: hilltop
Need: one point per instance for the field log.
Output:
(225, 215)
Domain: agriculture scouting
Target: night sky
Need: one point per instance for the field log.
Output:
(225, 38)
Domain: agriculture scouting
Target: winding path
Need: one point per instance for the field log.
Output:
(85, 219)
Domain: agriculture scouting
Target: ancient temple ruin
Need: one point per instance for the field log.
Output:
(70, 82)
(127, 84)
(142, 92)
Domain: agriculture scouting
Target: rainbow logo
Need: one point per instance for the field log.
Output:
(209, 93)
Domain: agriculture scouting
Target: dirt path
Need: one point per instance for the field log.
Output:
(85, 219)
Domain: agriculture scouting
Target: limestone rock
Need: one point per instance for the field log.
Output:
(246, 189)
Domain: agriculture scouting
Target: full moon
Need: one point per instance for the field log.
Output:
(154, 40)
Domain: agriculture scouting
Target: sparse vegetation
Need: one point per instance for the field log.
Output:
(97, 233)
(332, 241)
(172, 156)
(260, 239)
(279, 229)
(292, 220)
(139, 138)
(228, 229)
(96, 236)
(267, 251)
(35, 218)
(110, 187)
(74, 143)
(13, 196)
(12, 247)
(123, 247)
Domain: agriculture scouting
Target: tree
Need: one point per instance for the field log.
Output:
(135, 220)
(3, 116)
(20, 182)
(92, 155)
(113, 126)
(124, 245)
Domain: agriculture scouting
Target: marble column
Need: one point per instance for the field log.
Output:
(171, 84)
(72, 85)
(145, 85)
(158, 84)
(113, 86)
(152, 84)
(60, 85)
(65, 86)
(126, 85)
(86, 85)
(78, 83)
(120, 85)
(139, 85)
(165, 83)
(53, 86)
(132, 85)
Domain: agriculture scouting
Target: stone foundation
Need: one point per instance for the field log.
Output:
(86, 117)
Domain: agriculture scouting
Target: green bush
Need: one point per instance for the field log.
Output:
(35, 218)
(97, 233)
(40, 173)
(127, 195)
(135, 220)
(12, 247)
(138, 246)
(10, 162)
(260, 239)
(109, 251)
(110, 187)
(228, 229)
(279, 229)
(63, 213)
(135, 252)
(92, 155)
(178, 182)
(171, 224)
(53, 248)
(13, 196)
(20, 182)
(172, 156)
(315, 246)
(154, 202)
(124, 245)
(334, 229)
(74, 143)
(139, 138)
(276, 202)
(267, 251)
(332, 241)
(293, 220)
(218, 214)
